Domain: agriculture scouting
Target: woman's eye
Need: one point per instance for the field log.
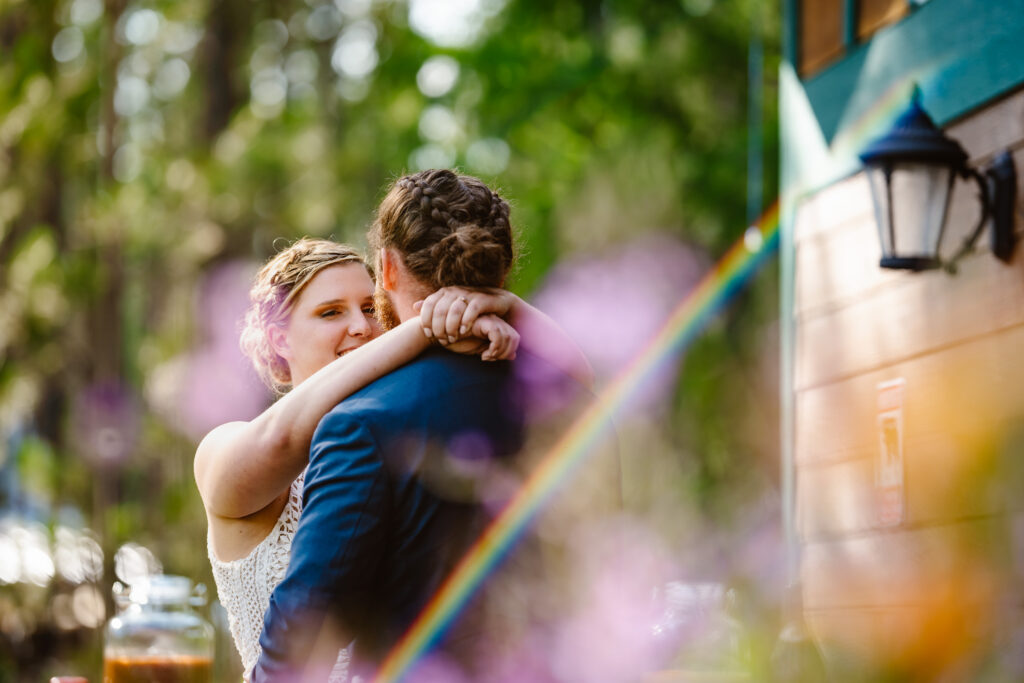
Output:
(330, 313)
(368, 310)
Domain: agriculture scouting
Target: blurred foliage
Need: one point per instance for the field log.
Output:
(142, 143)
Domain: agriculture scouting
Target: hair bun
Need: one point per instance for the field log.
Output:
(469, 256)
(451, 229)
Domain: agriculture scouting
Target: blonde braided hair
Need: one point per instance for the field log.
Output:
(274, 290)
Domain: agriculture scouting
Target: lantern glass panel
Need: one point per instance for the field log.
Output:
(920, 195)
(878, 181)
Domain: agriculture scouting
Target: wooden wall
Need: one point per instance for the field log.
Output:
(940, 586)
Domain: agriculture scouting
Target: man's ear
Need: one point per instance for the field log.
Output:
(278, 338)
(389, 265)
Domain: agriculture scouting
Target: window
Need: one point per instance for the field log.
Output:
(874, 14)
(827, 29)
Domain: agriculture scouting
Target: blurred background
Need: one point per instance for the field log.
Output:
(153, 154)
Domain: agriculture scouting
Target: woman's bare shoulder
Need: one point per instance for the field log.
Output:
(218, 437)
(213, 445)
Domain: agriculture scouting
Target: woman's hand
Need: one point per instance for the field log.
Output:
(503, 338)
(490, 337)
(451, 312)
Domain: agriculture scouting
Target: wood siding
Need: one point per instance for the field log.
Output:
(954, 560)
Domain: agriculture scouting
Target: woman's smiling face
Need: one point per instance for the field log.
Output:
(331, 316)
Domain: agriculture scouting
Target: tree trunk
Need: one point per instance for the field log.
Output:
(226, 25)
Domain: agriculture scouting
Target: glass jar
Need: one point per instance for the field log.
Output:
(157, 635)
(698, 631)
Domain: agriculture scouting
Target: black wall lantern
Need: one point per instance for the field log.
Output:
(911, 171)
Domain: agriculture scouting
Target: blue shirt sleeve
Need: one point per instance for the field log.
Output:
(336, 551)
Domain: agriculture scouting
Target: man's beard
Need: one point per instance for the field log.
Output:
(384, 309)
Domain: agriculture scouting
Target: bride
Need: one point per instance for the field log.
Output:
(311, 334)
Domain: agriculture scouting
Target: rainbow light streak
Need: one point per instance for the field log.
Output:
(713, 292)
(688, 319)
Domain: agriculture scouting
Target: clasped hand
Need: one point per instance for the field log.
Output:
(471, 321)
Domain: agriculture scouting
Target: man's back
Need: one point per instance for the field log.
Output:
(396, 492)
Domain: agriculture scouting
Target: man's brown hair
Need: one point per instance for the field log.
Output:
(450, 229)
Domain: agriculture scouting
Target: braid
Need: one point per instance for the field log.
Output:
(275, 288)
(451, 229)
(498, 214)
(432, 206)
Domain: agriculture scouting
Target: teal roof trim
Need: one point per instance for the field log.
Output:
(962, 54)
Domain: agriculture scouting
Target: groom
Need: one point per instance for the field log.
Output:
(392, 494)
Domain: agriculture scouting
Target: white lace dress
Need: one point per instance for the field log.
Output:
(244, 585)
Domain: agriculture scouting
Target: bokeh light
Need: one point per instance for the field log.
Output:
(323, 22)
(133, 562)
(354, 8)
(131, 96)
(431, 156)
(613, 303)
(171, 78)
(451, 23)
(438, 124)
(214, 383)
(610, 637)
(139, 26)
(106, 423)
(179, 38)
(268, 89)
(33, 550)
(78, 556)
(753, 239)
(10, 557)
(127, 162)
(355, 52)
(68, 44)
(437, 76)
(488, 156)
(88, 607)
(302, 66)
(85, 12)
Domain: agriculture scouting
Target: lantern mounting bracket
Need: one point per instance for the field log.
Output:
(997, 190)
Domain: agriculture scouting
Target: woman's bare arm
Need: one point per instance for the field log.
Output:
(452, 311)
(241, 467)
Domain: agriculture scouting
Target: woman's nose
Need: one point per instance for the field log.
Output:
(360, 326)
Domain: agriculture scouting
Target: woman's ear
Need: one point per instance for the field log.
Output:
(278, 338)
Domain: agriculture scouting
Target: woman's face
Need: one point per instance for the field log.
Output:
(330, 317)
